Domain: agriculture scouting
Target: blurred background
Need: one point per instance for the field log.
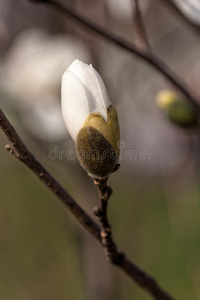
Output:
(155, 208)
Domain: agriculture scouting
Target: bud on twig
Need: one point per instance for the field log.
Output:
(90, 119)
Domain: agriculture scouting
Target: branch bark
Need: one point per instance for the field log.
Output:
(111, 252)
(21, 152)
(148, 57)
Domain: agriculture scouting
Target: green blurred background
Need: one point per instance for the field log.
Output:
(155, 208)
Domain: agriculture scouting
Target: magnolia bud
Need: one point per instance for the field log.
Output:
(177, 109)
(90, 119)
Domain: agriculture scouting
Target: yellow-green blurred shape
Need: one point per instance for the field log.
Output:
(177, 109)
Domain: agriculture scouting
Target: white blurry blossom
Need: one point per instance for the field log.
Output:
(190, 8)
(44, 121)
(31, 76)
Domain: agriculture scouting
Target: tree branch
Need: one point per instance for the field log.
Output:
(20, 151)
(150, 58)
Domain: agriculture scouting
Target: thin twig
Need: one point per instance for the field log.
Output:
(150, 58)
(140, 30)
(20, 151)
(111, 252)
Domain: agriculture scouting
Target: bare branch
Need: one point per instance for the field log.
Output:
(150, 58)
(20, 151)
(140, 30)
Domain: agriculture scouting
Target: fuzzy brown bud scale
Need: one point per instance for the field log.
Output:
(97, 144)
(95, 153)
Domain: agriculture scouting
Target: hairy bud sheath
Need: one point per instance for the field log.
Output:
(90, 119)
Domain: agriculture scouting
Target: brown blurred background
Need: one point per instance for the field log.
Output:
(155, 208)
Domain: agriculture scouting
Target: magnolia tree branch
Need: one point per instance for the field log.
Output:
(20, 151)
(104, 236)
(148, 57)
(140, 30)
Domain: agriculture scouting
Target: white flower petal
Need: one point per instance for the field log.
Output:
(83, 93)
(98, 99)
(100, 93)
(75, 107)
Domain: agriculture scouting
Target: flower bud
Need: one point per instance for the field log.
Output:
(177, 109)
(90, 119)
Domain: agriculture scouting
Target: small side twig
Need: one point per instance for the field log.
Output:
(140, 31)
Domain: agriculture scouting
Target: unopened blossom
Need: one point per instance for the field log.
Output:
(90, 119)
